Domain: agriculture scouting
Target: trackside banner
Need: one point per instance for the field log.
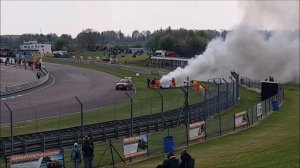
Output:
(240, 119)
(48, 159)
(197, 130)
(135, 146)
(258, 110)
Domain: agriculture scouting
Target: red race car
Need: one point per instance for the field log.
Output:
(124, 84)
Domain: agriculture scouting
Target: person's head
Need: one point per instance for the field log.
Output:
(183, 152)
(170, 154)
(75, 145)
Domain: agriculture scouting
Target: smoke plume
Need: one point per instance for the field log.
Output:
(250, 52)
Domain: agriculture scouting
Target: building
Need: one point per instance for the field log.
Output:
(35, 47)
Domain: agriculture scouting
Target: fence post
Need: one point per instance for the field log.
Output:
(115, 111)
(44, 144)
(81, 117)
(227, 95)
(11, 130)
(252, 114)
(162, 109)
(218, 106)
(232, 90)
(265, 106)
(186, 108)
(233, 122)
(270, 105)
(131, 114)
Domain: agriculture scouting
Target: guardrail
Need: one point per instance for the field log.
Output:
(115, 129)
(27, 85)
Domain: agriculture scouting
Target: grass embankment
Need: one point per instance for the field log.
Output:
(272, 143)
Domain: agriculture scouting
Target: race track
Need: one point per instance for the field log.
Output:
(57, 96)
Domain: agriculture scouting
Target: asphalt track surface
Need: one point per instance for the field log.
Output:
(57, 96)
(13, 75)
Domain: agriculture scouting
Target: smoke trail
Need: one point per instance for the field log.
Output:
(251, 52)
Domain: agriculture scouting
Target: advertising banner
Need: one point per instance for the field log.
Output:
(240, 119)
(258, 110)
(197, 130)
(48, 159)
(135, 146)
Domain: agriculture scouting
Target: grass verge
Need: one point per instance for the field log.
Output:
(272, 143)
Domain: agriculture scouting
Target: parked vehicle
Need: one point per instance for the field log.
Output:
(124, 84)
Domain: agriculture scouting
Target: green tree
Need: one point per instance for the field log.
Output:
(59, 44)
(88, 39)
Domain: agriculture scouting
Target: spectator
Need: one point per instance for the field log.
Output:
(88, 152)
(38, 75)
(76, 156)
(197, 88)
(148, 83)
(186, 160)
(171, 161)
(153, 83)
(173, 82)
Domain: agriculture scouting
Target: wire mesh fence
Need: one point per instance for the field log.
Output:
(208, 107)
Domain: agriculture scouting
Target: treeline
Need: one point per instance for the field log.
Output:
(186, 43)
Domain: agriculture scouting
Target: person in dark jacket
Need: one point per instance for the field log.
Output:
(88, 152)
(148, 83)
(171, 161)
(186, 160)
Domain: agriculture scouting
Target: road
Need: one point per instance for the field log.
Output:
(13, 75)
(57, 96)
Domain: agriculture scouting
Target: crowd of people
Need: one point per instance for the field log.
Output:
(186, 161)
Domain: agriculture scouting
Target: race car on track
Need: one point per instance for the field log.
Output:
(124, 84)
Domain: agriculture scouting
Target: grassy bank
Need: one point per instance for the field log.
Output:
(272, 143)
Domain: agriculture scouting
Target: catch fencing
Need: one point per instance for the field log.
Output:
(150, 119)
(158, 117)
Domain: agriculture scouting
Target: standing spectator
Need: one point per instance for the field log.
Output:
(186, 160)
(171, 161)
(76, 156)
(148, 82)
(197, 88)
(157, 84)
(88, 152)
(173, 82)
(38, 75)
(153, 83)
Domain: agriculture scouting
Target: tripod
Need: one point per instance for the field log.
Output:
(111, 147)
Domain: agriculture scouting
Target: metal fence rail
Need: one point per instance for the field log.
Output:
(252, 83)
(116, 129)
(27, 85)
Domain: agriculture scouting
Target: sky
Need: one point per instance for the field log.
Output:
(71, 17)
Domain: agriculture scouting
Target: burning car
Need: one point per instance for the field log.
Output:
(124, 84)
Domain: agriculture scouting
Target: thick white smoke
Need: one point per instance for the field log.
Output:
(251, 52)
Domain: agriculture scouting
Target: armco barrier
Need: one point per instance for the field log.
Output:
(109, 130)
(26, 86)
